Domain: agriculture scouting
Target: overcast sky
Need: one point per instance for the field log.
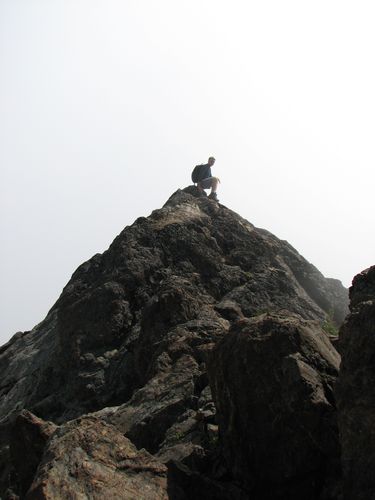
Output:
(105, 107)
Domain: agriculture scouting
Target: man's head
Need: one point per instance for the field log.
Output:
(211, 160)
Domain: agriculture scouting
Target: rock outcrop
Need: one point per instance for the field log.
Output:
(87, 458)
(29, 436)
(129, 339)
(272, 379)
(356, 390)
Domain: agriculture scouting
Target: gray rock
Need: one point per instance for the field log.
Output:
(130, 335)
(355, 390)
(272, 379)
(88, 458)
(30, 435)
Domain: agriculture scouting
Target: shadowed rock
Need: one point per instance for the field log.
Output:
(355, 390)
(272, 381)
(29, 437)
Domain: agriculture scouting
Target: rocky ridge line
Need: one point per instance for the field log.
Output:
(130, 337)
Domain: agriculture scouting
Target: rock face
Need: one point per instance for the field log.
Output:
(272, 378)
(87, 458)
(356, 390)
(30, 435)
(130, 336)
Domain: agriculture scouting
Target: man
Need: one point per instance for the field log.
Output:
(205, 179)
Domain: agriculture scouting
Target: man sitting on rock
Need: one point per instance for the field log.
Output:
(205, 179)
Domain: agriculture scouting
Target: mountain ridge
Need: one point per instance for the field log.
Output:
(129, 337)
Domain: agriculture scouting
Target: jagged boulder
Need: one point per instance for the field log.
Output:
(87, 458)
(29, 436)
(355, 390)
(272, 379)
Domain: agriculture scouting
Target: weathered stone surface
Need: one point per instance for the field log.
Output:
(131, 333)
(355, 390)
(81, 358)
(29, 437)
(88, 458)
(272, 379)
(188, 485)
(27, 364)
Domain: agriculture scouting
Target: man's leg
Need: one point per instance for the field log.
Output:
(215, 182)
(200, 189)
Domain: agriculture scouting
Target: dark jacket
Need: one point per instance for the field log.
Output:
(204, 172)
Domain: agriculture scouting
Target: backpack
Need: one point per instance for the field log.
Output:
(195, 174)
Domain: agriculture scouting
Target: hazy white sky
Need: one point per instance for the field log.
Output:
(105, 107)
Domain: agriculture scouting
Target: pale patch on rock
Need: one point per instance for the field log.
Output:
(177, 215)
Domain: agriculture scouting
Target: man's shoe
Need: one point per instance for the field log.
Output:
(213, 196)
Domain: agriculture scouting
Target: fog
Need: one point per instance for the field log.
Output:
(106, 106)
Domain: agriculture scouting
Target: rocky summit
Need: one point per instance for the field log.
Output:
(195, 358)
